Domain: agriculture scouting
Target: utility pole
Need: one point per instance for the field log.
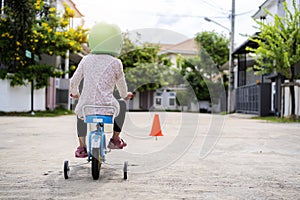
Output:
(231, 60)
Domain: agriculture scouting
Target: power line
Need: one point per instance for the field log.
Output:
(216, 7)
(245, 13)
(192, 16)
(224, 11)
(202, 16)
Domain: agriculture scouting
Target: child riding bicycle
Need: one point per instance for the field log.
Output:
(101, 72)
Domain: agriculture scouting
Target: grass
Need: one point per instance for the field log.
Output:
(278, 119)
(46, 113)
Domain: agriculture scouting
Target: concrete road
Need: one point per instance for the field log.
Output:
(200, 156)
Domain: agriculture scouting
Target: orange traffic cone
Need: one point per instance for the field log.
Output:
(156, 130)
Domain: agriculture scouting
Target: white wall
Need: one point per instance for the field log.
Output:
(272, 9)
(18, 99)
(278, 9)
(290, 5)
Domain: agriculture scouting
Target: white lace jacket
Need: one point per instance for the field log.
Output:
(100, 74)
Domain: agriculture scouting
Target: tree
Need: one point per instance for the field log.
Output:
(145, 70)
(214, 45)
(201, 71)
(29, 29)
(192, 74)
(279, 46)
(213, 53)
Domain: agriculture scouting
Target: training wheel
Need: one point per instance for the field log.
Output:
(125, 169)
(66, 169)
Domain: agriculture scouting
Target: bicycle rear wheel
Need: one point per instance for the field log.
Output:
(96, 163)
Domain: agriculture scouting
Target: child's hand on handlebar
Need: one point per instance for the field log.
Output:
(129, 96)
(74, 96)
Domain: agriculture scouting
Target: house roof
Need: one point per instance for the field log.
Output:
(242, 48)
(261, 13)
(187, 47)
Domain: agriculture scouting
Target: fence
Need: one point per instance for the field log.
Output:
(254, 99)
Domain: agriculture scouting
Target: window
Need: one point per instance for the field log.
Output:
(158, 101)
(171, 101)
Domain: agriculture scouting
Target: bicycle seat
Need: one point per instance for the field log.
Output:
(105, 119)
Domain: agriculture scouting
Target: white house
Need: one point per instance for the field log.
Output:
(165, 99)
(185, 48)
(276, 6)
(267, 96)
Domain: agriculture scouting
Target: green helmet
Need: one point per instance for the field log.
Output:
(105, 39)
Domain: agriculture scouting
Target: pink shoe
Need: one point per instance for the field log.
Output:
(81, 152)
(116, 144)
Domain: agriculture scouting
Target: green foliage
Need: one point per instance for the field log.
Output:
(133, 55)
(35, 27)
(192, 74)
(279, 43)
(145, 70)
(146, 77)
(213, 53)
(277, 119)
(39, 73)
(200, 71)
(215, 45)
(47, 113)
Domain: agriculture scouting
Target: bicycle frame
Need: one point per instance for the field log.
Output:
(97, 141)
(97, 138)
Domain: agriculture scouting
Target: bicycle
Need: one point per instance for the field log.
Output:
(97, 148)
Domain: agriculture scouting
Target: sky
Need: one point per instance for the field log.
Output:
(175, 19)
